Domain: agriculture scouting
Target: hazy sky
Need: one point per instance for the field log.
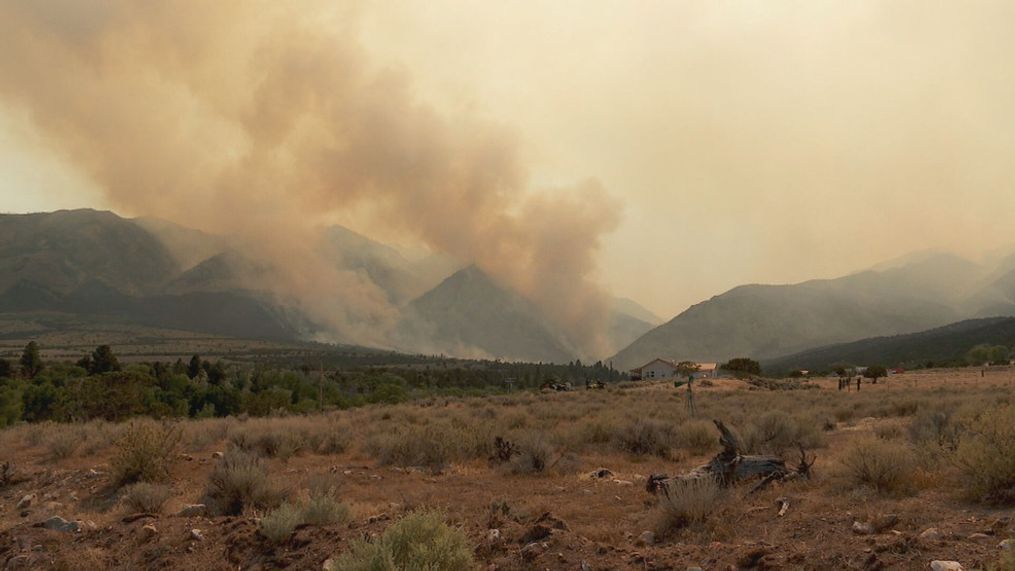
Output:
(740, 141)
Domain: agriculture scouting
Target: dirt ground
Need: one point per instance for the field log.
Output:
(562, 520)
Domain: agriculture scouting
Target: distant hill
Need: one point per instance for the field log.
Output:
(470, 314)
(631, 308)
(89, 262)
(766, 321)
(942, 344)
(59, 252)
(187, 246)
(385, 266)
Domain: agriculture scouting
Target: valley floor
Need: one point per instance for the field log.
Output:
(554, 514)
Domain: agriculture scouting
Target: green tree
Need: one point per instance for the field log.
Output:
(194, 368)
(743, 365)
(998, 355)
(875, 372)
(6, 370)
(31, 361)
(103, 361)
(687, 368)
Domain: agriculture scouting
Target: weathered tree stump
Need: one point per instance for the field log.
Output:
(730, 467)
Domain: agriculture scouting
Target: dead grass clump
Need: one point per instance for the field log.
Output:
(238, 482)
(685, 503)
(145, 497)
(986, 457)
(645, 437)
(144, 453)
(418, 541)
(888, 467)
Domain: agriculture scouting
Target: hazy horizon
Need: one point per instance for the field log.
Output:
(670, 152)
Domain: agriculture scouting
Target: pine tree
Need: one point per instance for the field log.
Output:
(31, 361)
(103, 360)
(194, 369)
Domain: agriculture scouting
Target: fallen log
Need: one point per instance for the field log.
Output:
(730, 467)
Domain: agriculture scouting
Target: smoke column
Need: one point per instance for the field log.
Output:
(263, 119)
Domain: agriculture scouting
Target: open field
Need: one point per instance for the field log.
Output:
(894, 460)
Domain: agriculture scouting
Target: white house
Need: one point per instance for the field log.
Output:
(660, 368)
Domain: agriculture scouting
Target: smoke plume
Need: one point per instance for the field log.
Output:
(263, 120)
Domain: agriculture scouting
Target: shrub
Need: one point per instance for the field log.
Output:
(884, 465)
(322, 509)
(775, 431)
(145, 497)
(697, 436)
(687, 502)
(279, 524)
(432, 446)
(986, 457)
(645, 436)
(323, 506)
(270, 441)
(144, 453)
(62, 443)
(420, 541)
(534, 457)
(935, 427)
(888, 431)
(239, 481)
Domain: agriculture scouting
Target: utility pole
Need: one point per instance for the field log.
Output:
(320, 384)
(690, 395)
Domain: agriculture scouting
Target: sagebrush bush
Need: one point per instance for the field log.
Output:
(697, 436)
(776, 431)
(684, 503)
(269, 441)
(238, 482)
(62, 443)
(322, 509)
(935, 427)
(887, 466)
(420, 541)
(278, 525)
(323, 506)
(986, 457)
(645, 437)
(534, 457)
(144, 453)
(145, 497)
(888, 431)
(433, 446)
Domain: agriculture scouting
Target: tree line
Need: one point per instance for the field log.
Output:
(99, 385)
